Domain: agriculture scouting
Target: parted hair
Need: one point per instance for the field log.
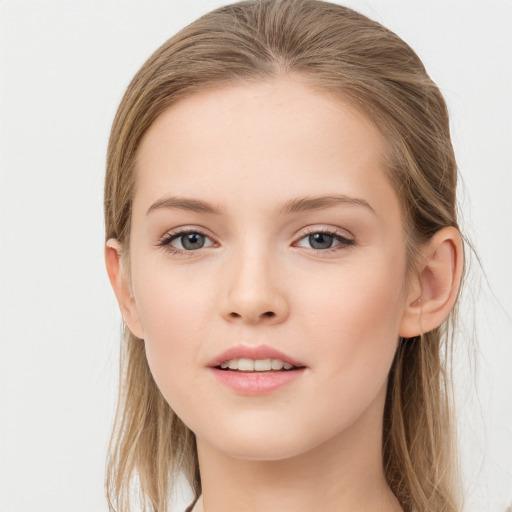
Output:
(335, 50)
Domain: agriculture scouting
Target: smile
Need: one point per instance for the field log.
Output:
(258, 365)
(255, 369)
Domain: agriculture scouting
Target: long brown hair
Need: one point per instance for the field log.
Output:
(338, 51)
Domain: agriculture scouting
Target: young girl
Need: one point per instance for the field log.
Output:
(282, 239)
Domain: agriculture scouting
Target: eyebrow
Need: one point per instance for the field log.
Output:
(300, 204)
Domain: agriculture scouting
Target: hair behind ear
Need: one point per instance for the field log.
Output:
(418, 425)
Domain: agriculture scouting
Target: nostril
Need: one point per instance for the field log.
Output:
(267, 314)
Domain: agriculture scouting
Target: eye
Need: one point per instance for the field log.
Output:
(324, 240)
(185, 241)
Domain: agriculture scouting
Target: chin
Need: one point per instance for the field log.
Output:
(262, 453)
(261, 444)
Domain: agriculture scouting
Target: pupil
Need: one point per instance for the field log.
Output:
(192, 240)
(324, 240)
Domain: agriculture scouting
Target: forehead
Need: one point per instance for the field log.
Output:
(260, 142)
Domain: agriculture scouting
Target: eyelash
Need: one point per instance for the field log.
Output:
(166, 240)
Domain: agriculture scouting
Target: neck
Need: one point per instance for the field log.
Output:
(344, 473)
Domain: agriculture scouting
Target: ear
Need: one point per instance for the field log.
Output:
(122, 287)
(433, 292)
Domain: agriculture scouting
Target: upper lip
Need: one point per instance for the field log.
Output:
(253, 352)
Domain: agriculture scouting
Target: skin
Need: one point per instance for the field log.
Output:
(248, 149)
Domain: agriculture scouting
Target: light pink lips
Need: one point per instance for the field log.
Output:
(255, 383)
(248, 383)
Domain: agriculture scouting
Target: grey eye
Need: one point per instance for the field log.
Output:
(321, 240)
(186, 241)
(191, 241)
(325, 241)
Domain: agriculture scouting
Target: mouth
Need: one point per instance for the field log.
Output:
(250, 370)
(257, 365)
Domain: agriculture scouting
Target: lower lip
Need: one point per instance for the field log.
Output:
(256, 383)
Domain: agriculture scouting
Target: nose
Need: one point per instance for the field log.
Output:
(253, 292)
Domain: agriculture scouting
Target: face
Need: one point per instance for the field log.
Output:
(264, 225)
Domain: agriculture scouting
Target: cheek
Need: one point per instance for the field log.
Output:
(351, 322)
(354, 314)
(366, 305)
(175, 311)
(171, 300)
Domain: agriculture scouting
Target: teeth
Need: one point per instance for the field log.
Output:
(263, 365)
(277, 364)
(246, 365)
(258, 365)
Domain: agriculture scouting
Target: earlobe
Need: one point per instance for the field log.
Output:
(122, 288)
(433, 294)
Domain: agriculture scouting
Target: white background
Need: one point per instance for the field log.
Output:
(63, 69)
